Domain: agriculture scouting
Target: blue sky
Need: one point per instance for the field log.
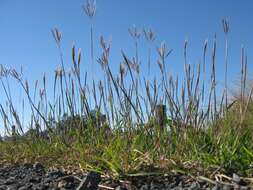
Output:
(26, 39)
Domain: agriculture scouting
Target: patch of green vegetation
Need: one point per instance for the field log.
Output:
(224, 147)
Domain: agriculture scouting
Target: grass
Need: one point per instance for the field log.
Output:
(122, 137)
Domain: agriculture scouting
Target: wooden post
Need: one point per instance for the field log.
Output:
(13, 132)
(102, 120)
(160, 115)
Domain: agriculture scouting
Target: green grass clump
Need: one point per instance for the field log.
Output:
(224, 147)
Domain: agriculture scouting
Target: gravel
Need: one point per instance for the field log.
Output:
(36, 177)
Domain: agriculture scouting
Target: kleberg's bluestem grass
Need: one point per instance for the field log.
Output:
(120, 126)
(150, 37)
(90, 9)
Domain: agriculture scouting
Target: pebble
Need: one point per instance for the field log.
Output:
(38, 166)
(35, 177)
(144, 187)
(236, 178)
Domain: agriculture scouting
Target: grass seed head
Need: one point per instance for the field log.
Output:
(79, 56)
(122, 69)
(205, 45)
(225, 25)
(4, 72)
(15, 74)
(163, 51)
(59, 72)
(149, 35)
(90, 8)
(134, 32)
(57, 35)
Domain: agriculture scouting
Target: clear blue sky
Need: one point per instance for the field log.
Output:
(25, 30)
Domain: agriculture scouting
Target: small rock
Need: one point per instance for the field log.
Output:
(41, 187)
(90, 182)
(28, 186)
(13, 187)
(180, 184)
(216, 187)
(194, 186)
(69, 179)
(144, 187)
(34, 180)
(54, 174)
(3, 187)
(10, 181)
(62, 184)
(27, 165)
(243, 188)
(38, 166)
(153, 186)
(236, 178)
(227, 187)
(118, 188)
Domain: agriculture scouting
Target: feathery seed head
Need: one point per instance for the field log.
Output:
(185, 44)
(106, 45)
(205, 45)
(42, 93)
(149, 35)
(136, 67)
(59, 72)
(15, 74)
(57, 35)
(122, 69)
(225, 25)
(90, 8)
(73, 54)
(104, 58)
(4, 72)
(163, 51)
(134, 32)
